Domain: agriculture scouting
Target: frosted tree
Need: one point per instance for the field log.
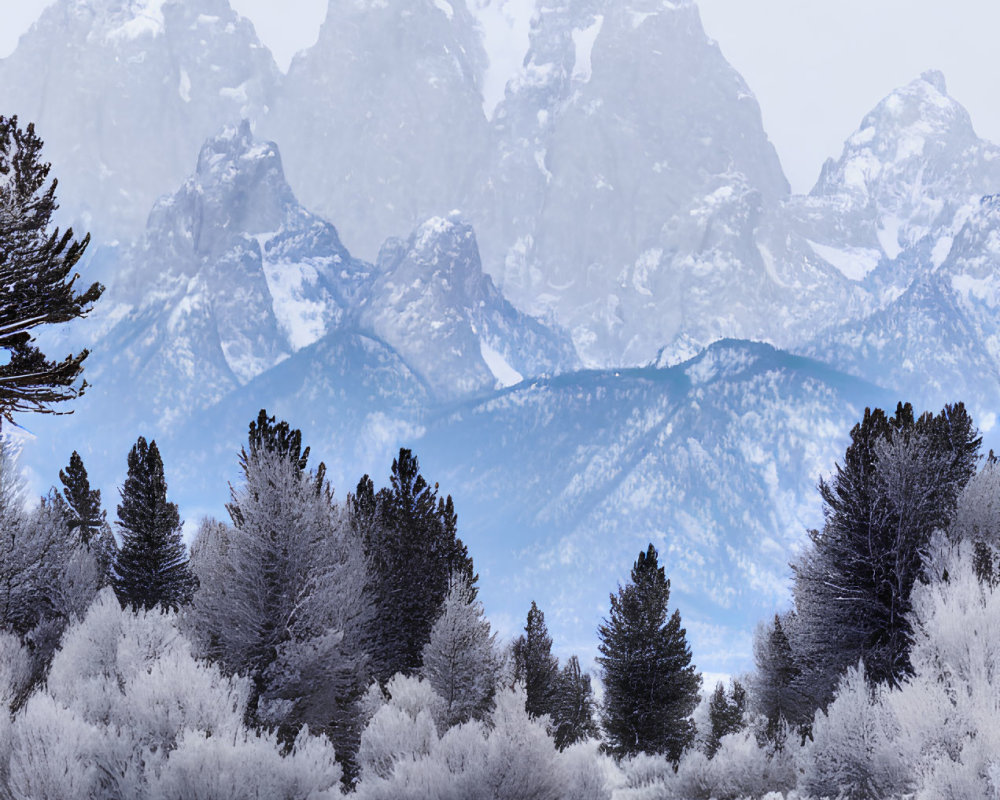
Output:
(773, 686)
(151, 568)
(725, 714)
(460, 660)
(900, 481)
(282, 592)
(46, 575)
(650, 684)
(947, 710)
(125, 697)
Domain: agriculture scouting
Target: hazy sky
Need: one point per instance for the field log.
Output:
(816, 66)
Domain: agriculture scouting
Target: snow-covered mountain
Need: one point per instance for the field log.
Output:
(629, 164)
(625, 192)
(381, 121)
(124, 93)
(433, 304)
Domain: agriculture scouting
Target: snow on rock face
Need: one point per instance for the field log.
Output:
(625, 123)
(433, 304)
(904, 174)
(381, 121)
(231, 277)
(124, 92)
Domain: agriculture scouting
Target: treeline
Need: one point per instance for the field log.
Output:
(309, 648)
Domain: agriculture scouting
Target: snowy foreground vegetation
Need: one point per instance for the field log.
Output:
(310, 649)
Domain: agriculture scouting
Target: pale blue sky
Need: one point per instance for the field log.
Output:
(816, 66)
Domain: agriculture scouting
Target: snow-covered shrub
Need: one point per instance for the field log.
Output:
(124, 697)
(855, 753)
(948, 711)
(588, 774)
(402, 729)
(646, 777)
(739, 769)
(249, 765)
(509, 757)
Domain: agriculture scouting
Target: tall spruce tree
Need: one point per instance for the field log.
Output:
(86, 517)
(410, 540)
(650, 684)
(535, 665)
(37, 274)
(900, 481)
(151, 568)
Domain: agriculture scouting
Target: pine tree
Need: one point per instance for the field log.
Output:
(459, 660)
(773, 686)
(900, 481)
(281, 597)
(573, 712)
(535, 665)
(36, 271)
(410, 540)
(86, 516)
(650, 684)
(725, 714)
(151, 568)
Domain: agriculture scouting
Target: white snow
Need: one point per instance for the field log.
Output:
(301, 318)
(445, 6)
(888, 236)
(184, 88)
(583, 41)
(854, 262)
(505, 374)
(147, 21)
(941, 249)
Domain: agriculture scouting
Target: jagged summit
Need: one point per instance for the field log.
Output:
(908, 170)
(625, 125)
(124, 93)
(432, 302)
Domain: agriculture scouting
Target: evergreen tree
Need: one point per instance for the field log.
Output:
(535, 666)
(773, 685)
(409, 536)
(459, 660)
(151, 568)
(725, 714)
(86, 516)
(36, 272)
(281, 597)
(900, 481)
(573, 711)
(650, 684)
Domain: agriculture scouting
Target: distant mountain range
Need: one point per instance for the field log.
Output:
(600, 318)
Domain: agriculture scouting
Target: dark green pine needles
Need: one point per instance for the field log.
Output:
(151, 567)
(650, 684)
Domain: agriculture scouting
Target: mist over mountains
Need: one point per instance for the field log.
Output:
(599, 316)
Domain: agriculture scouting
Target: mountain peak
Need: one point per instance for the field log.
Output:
(936, 79)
